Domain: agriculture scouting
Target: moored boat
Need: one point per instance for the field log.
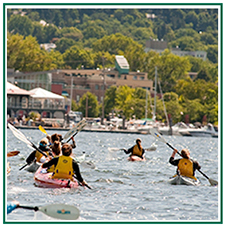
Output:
(182, 180)
(45, 180)
(134, 158)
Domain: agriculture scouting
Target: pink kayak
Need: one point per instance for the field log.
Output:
(134, 158)
(43, 179)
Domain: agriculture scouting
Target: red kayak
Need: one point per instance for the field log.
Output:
(44, 179)
(134, 158)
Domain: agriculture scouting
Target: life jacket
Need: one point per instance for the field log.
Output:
(185, 168)
(137, 151)
(64, 168)
(39, 155)
(51, 168)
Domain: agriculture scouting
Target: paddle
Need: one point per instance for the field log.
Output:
(12, 153)
(156, 134)
(59, 211)
(42, 130)
(19, 135)
(73, 131)
(81, 184)
(121, 149)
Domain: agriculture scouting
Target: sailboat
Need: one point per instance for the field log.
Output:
(147, 124)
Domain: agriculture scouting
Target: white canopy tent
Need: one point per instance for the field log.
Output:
(44, 94)
(47, 99)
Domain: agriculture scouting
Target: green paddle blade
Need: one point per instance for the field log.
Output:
(61, 211)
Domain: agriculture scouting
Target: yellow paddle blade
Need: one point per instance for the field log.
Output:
(42, 130)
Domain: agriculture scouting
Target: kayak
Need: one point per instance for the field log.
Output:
(182, 180)
(33, 167)
(44, 179)
(134, 158)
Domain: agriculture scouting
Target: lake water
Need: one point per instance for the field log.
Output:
(123, 191)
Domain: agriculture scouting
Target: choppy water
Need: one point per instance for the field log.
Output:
(122, 190)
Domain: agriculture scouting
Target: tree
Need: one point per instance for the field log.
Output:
(110, 99)
(170, 68)
(64, 43)
(212, 53)
(20, 24)
(77, 58)
(88, 100)
(25, 55)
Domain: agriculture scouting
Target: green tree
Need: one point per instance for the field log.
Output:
(77, 58)
(110, 100)
(170, 68)
(212, 53)
(20, 24)
(64, 43)
(25, 55)
(90, 101)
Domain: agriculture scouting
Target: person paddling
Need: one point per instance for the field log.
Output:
(137, 149)
(36, 155)
(185, 165)
(65, 165)
(56, 152)
(58, 137)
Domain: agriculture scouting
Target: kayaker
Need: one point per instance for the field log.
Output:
(58, 137)
(65, 166)
(185, 165)
(12, 205)
(137, 149)
(36, 155)
(56, 152)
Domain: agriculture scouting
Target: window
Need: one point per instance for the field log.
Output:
(142, 77)
(96, 87)
(135, 77)
(78, 98)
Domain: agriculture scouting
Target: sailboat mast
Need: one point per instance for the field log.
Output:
(154, 116)
(146, 103)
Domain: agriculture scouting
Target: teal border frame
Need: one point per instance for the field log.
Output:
(220, 6)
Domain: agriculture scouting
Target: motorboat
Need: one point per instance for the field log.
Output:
(206, 131)
(174, 130)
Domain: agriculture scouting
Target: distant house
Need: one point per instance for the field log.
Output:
(48, 46)
(160, 45)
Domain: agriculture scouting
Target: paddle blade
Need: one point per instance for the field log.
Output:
(61, 211)
(213, 182)
(89, 164)
(157, 135)
(152, 148)
(19, 135)
(73, 130)
(42, 130)
(12, 153)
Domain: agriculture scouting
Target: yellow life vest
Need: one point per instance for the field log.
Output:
(185, 167)
(137, 151)
(51, 168)
(39, 155)
(64, 168)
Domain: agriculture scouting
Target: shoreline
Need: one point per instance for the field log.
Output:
(86, 130)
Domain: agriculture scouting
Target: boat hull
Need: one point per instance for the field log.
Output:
(134, 158)
(33, 167)
(182, 180)
(45, 180)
